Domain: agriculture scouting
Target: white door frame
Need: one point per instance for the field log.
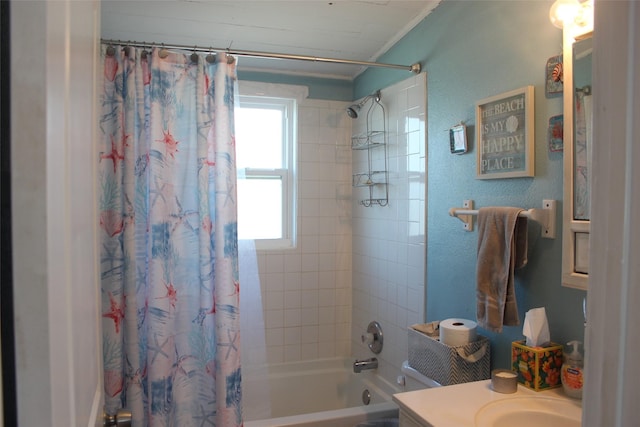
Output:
(613, 343)
(53, 163)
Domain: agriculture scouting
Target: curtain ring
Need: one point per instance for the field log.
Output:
(110, 50)
(230, 59)
(194, 56)
(211, 57)
(163, 53)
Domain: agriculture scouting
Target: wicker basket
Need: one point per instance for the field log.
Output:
(446, 364)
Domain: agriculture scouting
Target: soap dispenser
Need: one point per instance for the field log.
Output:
(572, 372)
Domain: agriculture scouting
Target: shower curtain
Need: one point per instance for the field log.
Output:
(169, 255)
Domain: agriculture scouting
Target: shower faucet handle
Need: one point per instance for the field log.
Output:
(373, 337)
(367, 338)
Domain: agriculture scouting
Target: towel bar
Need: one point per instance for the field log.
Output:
(545, 216)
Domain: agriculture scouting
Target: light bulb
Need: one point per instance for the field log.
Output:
(563, 11)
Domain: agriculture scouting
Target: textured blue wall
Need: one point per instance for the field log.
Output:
(471, 50)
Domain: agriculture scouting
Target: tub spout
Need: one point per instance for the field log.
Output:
(363, 365)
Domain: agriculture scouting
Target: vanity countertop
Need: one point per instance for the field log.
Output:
(456, 405)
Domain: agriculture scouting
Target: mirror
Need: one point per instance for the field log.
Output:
(578, 119)
(582, 127)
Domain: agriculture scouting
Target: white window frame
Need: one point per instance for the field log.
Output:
(287, 175)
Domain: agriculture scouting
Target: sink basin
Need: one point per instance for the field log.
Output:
(530, 412)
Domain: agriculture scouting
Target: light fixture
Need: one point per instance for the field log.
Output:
(563, 11)
(571, 12)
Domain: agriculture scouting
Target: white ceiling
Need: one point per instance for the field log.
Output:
(345, 29)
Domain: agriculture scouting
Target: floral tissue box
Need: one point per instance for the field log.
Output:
(537, 367)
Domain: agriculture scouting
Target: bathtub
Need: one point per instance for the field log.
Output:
(324, 393)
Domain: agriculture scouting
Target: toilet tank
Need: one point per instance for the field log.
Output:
(414, 380)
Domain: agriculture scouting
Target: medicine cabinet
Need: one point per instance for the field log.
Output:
(578, 119)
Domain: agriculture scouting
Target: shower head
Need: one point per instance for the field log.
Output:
(352, 111)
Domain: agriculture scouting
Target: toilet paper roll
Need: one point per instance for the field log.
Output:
(456, 332)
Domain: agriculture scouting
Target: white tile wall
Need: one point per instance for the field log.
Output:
(351, 264)
(307, 290)
(389, 242)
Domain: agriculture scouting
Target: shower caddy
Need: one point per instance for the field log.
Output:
(373, 140)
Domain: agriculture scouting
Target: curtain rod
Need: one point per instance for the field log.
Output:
(415, 68)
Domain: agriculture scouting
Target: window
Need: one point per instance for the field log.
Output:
(265, 150)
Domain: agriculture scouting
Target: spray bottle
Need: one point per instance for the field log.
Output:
(572, 372)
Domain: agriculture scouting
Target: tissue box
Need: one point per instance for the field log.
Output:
(447, 364)
(537, 367)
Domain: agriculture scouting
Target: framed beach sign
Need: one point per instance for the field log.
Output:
(505, 135)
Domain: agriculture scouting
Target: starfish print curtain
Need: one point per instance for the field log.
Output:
(168, 222)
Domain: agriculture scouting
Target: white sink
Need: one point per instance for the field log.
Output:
(530, 411)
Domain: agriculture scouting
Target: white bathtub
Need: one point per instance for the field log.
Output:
(324, 393)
